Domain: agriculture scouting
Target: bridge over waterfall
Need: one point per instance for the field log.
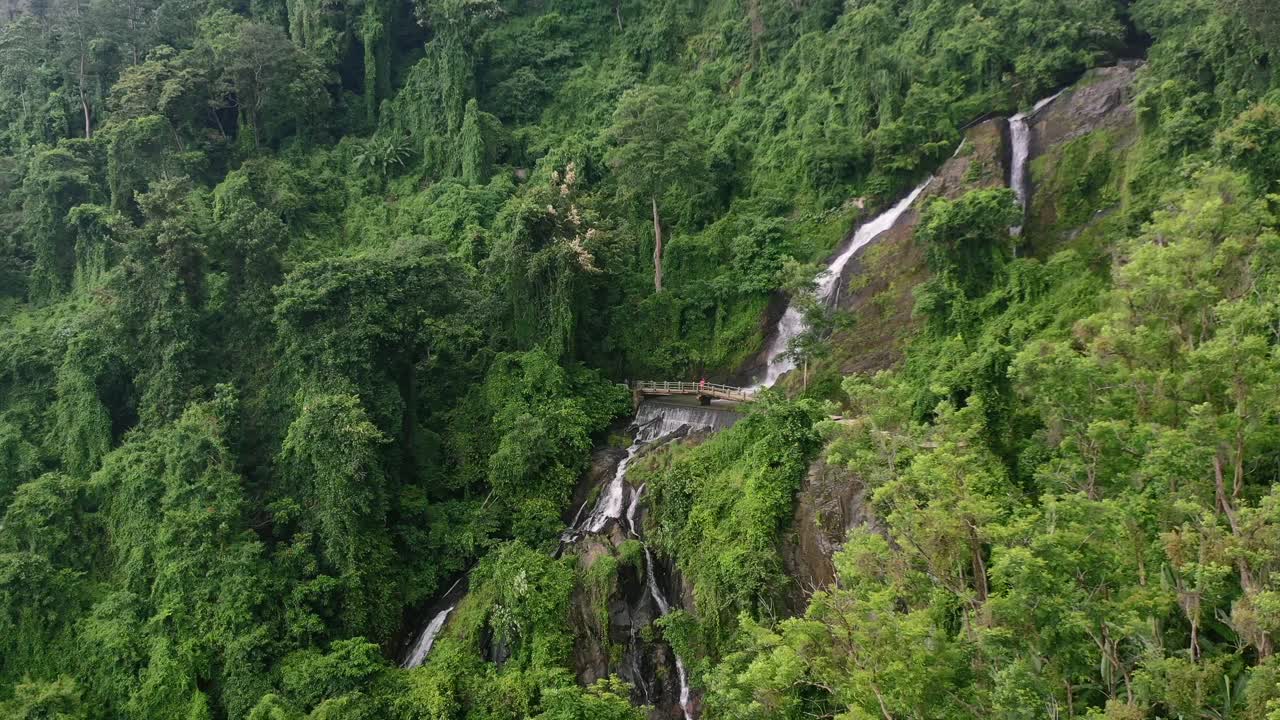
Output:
(704, 391)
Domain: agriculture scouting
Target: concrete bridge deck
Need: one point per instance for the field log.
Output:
(704, 391)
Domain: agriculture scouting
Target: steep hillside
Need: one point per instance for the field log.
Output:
(313, 319)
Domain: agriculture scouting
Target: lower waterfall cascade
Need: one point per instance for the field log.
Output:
(655, 421)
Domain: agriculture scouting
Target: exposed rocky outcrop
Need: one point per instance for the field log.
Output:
(1079, 146)
(1101, 100)
(613, 610)
(877, 284)
(613, 617)
(603, 463)
(1076, 146)
(831, 502)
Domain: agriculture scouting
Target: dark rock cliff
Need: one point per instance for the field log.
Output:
(613, 614)
(1079, 159)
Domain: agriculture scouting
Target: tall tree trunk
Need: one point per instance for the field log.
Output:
(617, 12)
(657, 246)
(979, 565)
(1226, 505)
(88, 126)
(84, 101)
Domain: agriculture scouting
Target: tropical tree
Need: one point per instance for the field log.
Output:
(653, 153)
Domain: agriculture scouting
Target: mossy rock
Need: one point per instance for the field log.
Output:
(1076, 186)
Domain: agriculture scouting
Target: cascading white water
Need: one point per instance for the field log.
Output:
(664, 607)
(427, 639)
(654, 421)
(631, 510)
(610, 505)
(778, 360)
(659, 418)
(1020, 139)
(576, 517)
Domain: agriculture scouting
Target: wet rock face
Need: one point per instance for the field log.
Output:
(877, 284)
(980, 162)
(614, 610)
(614, 631)
(1078, 146)
(1101, 100)
(603, 463)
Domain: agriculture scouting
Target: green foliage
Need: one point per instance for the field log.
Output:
(1092, 535)
(1252, 143)
(606, 699)
(518, 605)
(721, 504)
(1088, 175)
(550, 251)
(474, 148)
(333, 445)
(381, 155)
(138, 151)
(654, 154)
(540, 419)
(310, 677)
(58, 180)
(308, 307)
(967, 241)
(272, 85)
(56, 700)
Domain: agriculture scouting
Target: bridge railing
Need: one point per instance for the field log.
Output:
(662, 387)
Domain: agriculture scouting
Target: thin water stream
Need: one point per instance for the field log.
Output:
(1020, 139)
(778, 358)
(618, 502)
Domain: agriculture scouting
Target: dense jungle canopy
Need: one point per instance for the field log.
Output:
(309, 307)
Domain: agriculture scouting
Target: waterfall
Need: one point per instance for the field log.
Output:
(631, 510)
(610, 505)
(1020, 138)
(427, 639)
(657, 419)
(654, 421)
(664, 607)
(778, 360)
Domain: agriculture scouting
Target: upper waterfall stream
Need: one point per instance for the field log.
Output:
(1020, 140)
(778, 358)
